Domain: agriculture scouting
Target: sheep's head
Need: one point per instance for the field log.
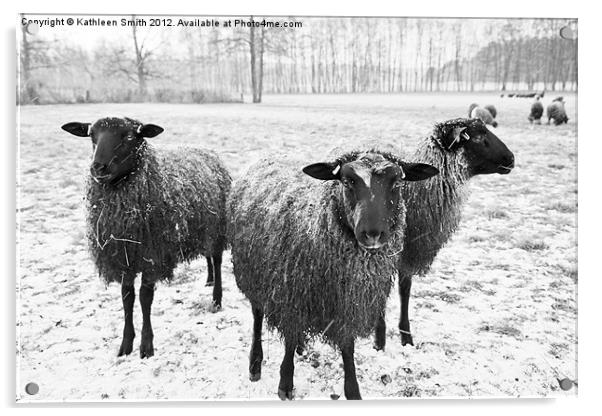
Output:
(370, 187)
(484, 151)
(116, 143)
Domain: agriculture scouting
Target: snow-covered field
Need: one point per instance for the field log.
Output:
(496, 317)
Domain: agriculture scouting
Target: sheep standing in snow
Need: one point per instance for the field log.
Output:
(556, 111)
(459, 149)
(474, 111)
(148, 210)
(317, 257)
(536, 111)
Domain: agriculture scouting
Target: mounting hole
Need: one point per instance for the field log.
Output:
(32, 28)
(568, 32)
(565, 384)
(32, 388)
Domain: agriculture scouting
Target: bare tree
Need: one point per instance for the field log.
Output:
(141, 59)
(337, 55)
(34, 55)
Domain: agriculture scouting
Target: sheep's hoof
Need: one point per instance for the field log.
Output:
(378, 345)
(215, 307)
(146, 350)
(126, 348)
(406, 339)
(285, 395)
(209, 283)
(255, 376)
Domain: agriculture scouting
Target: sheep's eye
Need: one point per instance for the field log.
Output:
(397, 184)
(130, 137)
(478, 139)
(348, 182)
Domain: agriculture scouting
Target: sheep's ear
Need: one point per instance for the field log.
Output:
(77, 129)
(418, 171)
(456, 135)
(323, 171)
(149, 130)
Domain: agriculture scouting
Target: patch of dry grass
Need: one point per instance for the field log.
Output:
(532, 244)
(502, 329)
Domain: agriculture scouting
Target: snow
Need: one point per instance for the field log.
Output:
(495, 317)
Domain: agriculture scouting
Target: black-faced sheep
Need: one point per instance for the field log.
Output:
(556, 111)
(148, 210)
(536, 111)
(317, 258)
(460, 149)
(481, 113)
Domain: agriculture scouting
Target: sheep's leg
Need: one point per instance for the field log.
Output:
(405, 285)
(128, 296)
(217, 287)
(256, 356)
(287, 370)
(380, 334)
(301, 347)
(147, 291)
(352, 390)
(209, 271)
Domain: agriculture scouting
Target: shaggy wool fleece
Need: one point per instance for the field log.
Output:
(434, 207)
(172, 209)
(557, 113)
(294, 256)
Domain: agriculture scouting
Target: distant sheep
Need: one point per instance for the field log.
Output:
(524, 95)
(492, 110)
(536, 111)
(459, 149)
(556, 111)
(148, 210)
(474, 111)
(317, 258)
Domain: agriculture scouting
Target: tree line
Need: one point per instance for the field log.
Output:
(325, 55)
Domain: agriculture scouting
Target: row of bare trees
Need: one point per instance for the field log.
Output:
(326, 55)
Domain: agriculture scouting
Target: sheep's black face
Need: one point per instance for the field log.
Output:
(371, 197)
(484, 151)
(116, 144)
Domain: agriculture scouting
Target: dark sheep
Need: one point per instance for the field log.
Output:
(556, 112)
(317, 257)
(148, 210)
(536, 111)
(460, 149)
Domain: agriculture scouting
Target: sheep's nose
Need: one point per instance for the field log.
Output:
(372, 237)
(98, 168)
(509, 162)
